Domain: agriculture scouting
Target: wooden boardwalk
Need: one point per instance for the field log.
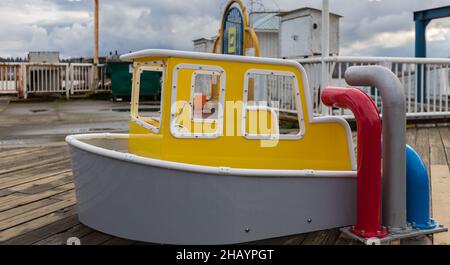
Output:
(37, 198)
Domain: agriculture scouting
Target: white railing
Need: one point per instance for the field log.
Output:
(425, 81)
(81, 77)
(24, 79)
(10, 78)
(46, 78)
(104, 83)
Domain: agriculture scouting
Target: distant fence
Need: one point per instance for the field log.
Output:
(23, 79)
(426, 83)
(10, 78)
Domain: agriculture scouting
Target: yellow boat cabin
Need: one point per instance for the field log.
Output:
(234, 112)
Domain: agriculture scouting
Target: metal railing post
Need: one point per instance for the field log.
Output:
(68, 82)
(24, 80)
(325, 50)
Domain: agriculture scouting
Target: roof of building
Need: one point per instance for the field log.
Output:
(304, 9)
(269, 21)
(203, 39)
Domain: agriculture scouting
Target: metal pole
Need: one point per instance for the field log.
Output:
(96, 16)
(368, 202)
(421, 52)
(394, 140)
(325, 46)
(96, 45)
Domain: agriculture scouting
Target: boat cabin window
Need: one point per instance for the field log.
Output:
(205, 96)
(272, 106)
(197, 101)
(147, 96)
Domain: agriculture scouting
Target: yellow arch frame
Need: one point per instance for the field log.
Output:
(249, 34)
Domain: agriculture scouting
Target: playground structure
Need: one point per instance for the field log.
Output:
(219, 165)
(422, 18)
(236, 37)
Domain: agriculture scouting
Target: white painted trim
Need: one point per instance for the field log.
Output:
(220, 114)
(298, 103)
(256, 60)
(77, 142)
(204, 56)
(153, 64)
(145, 125)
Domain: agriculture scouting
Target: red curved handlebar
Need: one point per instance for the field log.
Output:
(369, 157)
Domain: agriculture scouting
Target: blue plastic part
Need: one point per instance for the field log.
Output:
(418, 191)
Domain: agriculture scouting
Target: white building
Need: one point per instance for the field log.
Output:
(204, 45)
(292, 34)
(43, 57)
(300, 34)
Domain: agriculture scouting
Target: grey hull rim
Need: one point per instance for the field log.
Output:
(161, 205)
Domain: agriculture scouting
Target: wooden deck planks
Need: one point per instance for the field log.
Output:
(288, 240)
(326, 237)
(38, 179)
(7, 153)
(119, 241)
(37, 198)
(445, 136)
(440, 179)
(60, 238)
(37, 173)
(345, 240)
(16, 200)
(95, 238)
(35, 224)
(411, 135)
(437, 150)
(422, 145)
(46, 232)
(46, 206)
(25, 208)
(42, 157)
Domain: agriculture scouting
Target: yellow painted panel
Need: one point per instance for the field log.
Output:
(323, 147)
(260, 122)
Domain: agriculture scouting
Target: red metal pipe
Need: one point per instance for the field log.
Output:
(369, 157)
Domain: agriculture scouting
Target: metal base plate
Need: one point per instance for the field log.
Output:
(393, 237)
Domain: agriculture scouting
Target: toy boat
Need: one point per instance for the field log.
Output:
(234, 155)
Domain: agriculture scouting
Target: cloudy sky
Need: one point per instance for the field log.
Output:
(369, 27)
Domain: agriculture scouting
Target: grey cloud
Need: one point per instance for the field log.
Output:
(137, 24)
